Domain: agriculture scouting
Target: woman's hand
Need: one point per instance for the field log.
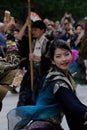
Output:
(85, 123)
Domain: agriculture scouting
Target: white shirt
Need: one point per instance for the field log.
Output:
(38, 46)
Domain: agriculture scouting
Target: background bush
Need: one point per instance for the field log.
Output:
(53, 10)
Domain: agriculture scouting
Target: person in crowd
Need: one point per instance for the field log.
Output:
(21, 36)
(40, 64)
(77, 37)
(23, 44)
(56, 97)
(46, 21)
(68, 16)
(12, 51)
(8, 63)
(75, 43)
(7, 74)
(49, 31)
(57, 29)
(7, 68)
(2, 40)
(66, 31)
(83, 53)
(41, 45)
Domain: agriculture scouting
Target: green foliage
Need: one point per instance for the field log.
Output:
(46, 8)
(56, 9)
(14, 7)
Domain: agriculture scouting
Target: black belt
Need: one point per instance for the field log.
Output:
(37, 62)
(42, 124)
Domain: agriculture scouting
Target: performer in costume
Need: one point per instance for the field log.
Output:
(83, 54)
(57, 97)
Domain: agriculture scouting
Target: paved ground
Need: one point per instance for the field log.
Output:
(10, 101)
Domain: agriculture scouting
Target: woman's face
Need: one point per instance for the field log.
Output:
(62, 59)
(78, 30)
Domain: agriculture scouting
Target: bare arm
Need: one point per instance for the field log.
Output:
(21, 32)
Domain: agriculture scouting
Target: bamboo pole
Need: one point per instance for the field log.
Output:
(30, 43)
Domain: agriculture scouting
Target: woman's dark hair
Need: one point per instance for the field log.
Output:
(78, 26)
(57, 43)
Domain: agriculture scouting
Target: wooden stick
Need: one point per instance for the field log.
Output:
(30, 43)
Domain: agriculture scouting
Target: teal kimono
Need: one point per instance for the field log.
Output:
(46, 107)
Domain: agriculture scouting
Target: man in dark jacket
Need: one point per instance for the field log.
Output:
(40, 64)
